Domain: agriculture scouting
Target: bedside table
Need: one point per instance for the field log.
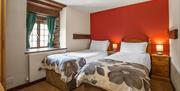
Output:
(111, 52)
(160, 66)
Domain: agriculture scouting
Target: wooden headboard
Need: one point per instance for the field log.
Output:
(140, 40)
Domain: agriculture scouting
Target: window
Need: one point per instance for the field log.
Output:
(39, 36)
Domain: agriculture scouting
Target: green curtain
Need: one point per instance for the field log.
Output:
(30, 21)
(51, 27)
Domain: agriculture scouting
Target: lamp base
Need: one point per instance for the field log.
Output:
(114, 50)
(159, 53)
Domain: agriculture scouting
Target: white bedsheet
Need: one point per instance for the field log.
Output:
(89, 55)
(143, 59)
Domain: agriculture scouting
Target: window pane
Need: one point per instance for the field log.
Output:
(34, 44)
(46, 38)
(46, 26)
(42, 31)
(42, 43)
(46, 32)
(44, 35)
(42, 38)
(33, 37)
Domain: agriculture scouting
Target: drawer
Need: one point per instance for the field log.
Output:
(160, 62)
(160, 59)
(160, 70)
(160, 66)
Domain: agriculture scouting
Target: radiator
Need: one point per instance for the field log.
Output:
(34, 63)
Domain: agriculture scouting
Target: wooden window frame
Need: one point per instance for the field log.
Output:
(47, 8)
(38, 22)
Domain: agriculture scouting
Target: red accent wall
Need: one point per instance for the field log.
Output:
(135, 21)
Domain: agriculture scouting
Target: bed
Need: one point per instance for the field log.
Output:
(61, 68)
(103, 75)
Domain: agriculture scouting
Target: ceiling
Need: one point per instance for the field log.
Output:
(98, 5)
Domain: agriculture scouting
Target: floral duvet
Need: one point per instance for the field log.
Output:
(113, 75)
(65, 65)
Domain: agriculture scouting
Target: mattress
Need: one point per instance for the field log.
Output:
(89, 55)
(143, 59)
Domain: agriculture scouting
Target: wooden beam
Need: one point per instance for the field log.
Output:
(81, 36)
(39, 4)
(53, 3)
(45, 7)
(40, 18)
(42, 11)
(49, 3)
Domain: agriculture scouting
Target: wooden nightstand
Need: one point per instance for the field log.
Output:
(111, 52)
(160, 66)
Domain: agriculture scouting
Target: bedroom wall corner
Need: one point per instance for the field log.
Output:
(74, 21)
(16, 65)
(174, 13)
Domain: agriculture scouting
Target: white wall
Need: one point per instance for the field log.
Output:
(16, 64)
(74, 21)
(174, 12)
(63, 28)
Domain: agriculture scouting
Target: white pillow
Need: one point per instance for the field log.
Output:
(99, 45)
(133, 47)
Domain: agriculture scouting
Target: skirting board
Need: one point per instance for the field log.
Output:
(175, 78)
(26, 85)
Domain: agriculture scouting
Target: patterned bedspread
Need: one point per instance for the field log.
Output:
(114, 75)
(65, 65)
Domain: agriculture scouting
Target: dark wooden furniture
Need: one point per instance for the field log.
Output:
(160, 66)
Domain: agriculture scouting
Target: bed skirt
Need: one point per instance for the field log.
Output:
(55, 79)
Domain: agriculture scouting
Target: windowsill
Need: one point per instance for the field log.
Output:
(37, 50)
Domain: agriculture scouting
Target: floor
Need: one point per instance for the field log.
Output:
(156, 85)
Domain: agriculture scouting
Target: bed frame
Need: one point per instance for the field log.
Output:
(55, 79)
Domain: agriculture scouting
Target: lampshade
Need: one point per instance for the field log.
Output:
(159, 47)
(114, 46)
